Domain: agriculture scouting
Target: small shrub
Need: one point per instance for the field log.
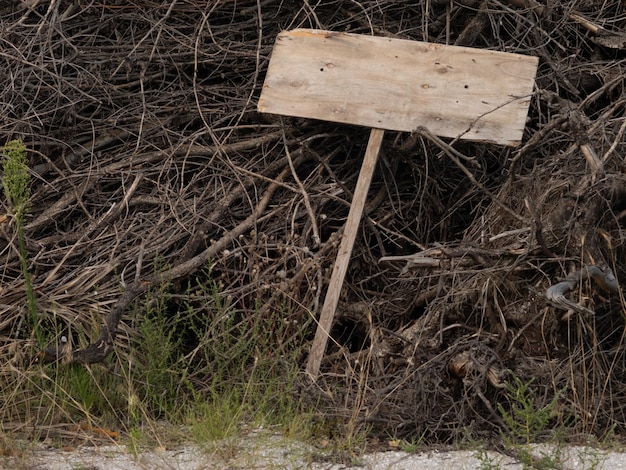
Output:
(526, 422)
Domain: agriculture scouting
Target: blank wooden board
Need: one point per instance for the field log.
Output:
(396, 84)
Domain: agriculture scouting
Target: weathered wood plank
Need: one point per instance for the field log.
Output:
(396, 84)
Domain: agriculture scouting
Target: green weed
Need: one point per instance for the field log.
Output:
(526, 422)
(412, 446)
(16, 185)
(487, 461)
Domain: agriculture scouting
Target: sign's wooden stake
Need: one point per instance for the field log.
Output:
(345, 250)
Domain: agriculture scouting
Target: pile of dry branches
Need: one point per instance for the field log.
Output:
(150, 164)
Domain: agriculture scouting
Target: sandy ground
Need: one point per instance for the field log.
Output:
(274, 452)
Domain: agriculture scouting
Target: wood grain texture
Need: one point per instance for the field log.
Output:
(396, 84)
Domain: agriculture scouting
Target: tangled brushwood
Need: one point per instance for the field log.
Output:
(475, 263)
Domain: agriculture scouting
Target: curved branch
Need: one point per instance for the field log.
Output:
(605, 279)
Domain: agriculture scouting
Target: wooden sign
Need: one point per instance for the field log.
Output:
(399, 85)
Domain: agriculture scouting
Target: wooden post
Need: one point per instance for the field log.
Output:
(345, 250)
